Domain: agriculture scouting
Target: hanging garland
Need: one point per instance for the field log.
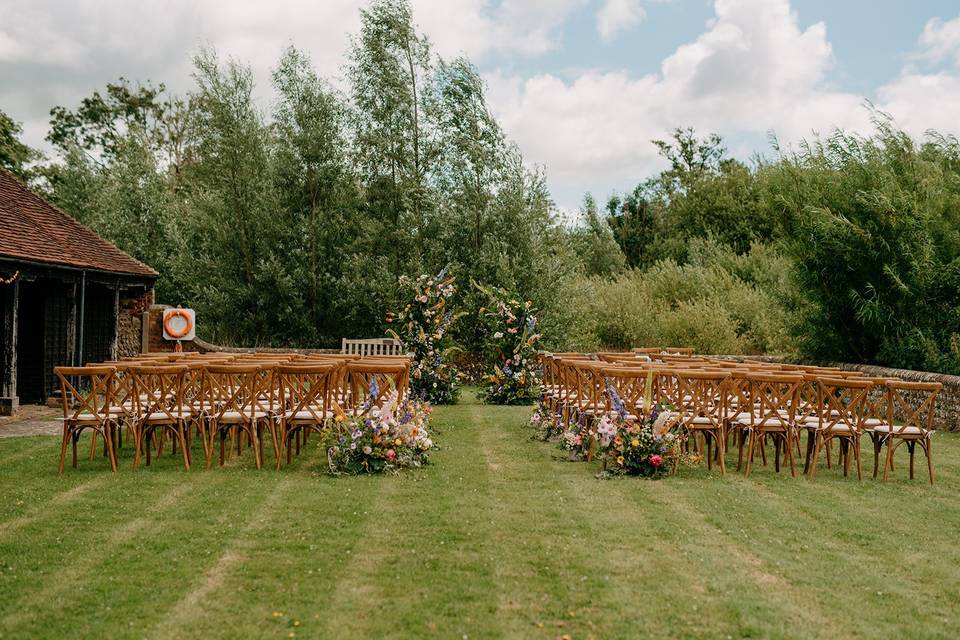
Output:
(11, 279)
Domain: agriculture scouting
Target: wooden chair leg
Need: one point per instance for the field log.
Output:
(877, 445)
(137, 446)
(63, 447)
(254, 442)
(708, 445)
(888, 458)
(721, 451)
(111, 454)
(817, 443)
(76, 438)
(777, 441)
(911, 447)
(856, 455)
(752, 438)
(788, 448)
(811, 439)
(740, 445)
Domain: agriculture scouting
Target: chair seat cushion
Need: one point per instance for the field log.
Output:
(898, 430)
(236, 416)
(304, 415)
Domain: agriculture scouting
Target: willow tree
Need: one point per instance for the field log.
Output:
(389, 68)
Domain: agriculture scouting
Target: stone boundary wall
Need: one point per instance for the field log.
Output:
(947, 410)
(156, 344)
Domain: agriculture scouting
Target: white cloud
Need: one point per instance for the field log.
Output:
(939, 40)
(616, 16)
(753, 70)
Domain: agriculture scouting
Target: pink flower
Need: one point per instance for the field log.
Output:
(656, 460)
(391, 454)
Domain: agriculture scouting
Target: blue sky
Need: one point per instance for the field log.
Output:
(582, 86)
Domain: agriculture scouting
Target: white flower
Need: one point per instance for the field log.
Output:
(498, 334)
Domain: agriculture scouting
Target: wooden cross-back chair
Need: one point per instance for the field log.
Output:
(632, 384)
(231, 395)
(569, 387)
(370, 383)
(304, 402)
(774, 398)
(86, 394)
(160, 402)
(915, 403)
(705, 400)
(841, 415)
(875, 415)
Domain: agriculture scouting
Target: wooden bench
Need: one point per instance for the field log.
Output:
(372, 347)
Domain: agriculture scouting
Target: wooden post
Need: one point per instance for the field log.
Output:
(115, 341)
(8, 327)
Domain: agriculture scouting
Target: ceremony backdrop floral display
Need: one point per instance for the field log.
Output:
(423, 326)
(510, 346)
(384, 438)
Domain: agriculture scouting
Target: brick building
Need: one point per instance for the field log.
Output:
(67, 296)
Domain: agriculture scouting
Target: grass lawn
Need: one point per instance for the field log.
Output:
(499, 538)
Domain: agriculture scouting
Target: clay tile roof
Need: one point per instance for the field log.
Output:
(33, 229)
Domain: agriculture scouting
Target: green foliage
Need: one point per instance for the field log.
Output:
(594, 242)
(15, 156)
(873, 231)
(719, 302)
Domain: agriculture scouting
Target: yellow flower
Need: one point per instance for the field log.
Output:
(620, 460)
(398, 442)
(340, 417)
(634, 443)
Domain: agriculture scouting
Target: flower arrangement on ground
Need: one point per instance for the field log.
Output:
(381, 438)
(649, 446)
(422, 326)
(578, 437)
(545, 423)
(512, 371)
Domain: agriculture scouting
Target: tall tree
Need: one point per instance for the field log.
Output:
(236, 258)
(319, 196)
(594, 242)
(388, 68)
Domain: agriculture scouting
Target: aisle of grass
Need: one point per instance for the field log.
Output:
(500, 538)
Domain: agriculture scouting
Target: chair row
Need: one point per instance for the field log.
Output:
(243, 398)
(754, 403)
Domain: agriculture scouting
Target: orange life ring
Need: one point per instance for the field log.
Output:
(178, 313)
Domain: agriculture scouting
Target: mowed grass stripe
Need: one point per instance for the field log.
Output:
(421, 556)
(291, 563)
(547, 561)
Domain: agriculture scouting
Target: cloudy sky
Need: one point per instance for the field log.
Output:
(581, 85)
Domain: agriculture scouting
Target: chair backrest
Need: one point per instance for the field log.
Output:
(589, 385)
(159, 390)
(370, 383)
(632, 385)
(842, 402)
(914, 402)
(705, 394)
(86, 392)
(231, 387)
(775, 398)
(305, 389)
